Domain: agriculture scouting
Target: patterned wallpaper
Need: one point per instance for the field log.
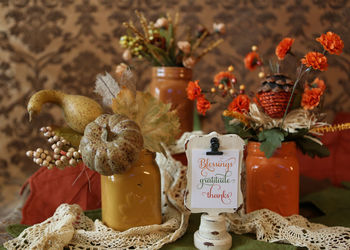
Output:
(64, 44)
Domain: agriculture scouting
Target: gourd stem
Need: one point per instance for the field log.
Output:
(40, 98)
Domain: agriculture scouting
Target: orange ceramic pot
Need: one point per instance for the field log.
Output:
(272, 183)
(133, 198)
(169, 85)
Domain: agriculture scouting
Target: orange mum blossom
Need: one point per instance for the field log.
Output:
(252, 60)
(240, 104)
(331, 42)
(315, 60)
(193, 90)
(226, 78)
(311, 98)
(203, 105)
(284, 47)
(318, 83)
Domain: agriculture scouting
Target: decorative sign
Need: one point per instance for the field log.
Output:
(214, 170)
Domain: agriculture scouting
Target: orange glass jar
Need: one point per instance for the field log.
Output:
(133, 198)
(169, 85)
(272, 183)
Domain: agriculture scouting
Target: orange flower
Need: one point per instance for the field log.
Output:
(252, 60)
(316, 60)
(203, 105)
(225, 78)
(311, 98)
(284, 47)
(331, 42)
(318, 83)
(240, 104)
(193, 90)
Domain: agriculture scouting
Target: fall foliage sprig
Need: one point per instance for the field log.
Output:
(157, 42)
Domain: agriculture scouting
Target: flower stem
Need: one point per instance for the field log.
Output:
(300, 75)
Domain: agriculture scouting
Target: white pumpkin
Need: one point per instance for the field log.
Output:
(111, 144)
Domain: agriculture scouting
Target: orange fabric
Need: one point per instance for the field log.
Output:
(336, 167)
(50, 188)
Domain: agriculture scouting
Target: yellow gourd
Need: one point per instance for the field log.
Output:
(78, 110)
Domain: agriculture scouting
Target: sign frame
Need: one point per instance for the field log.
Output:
(203, 142)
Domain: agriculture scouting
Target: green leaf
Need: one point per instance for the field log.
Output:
(161, 53)
(151, 59)
(232, 128)
(93, 214)
(16, 229)
(172, 43)
(237, 128)
(168, 35)
(312, 148)
(270, 140)
(69, 134)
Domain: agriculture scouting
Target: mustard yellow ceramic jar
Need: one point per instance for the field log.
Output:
(133, 198)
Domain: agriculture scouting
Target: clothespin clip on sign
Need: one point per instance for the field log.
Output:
(213, 183)
(214, 145)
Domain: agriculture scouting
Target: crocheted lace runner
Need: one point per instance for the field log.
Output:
(296, 230)
(70, 227)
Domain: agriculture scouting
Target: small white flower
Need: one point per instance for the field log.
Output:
(219, 28)
(189, 62)
(184, 46)
(127, 55)
(161, 23)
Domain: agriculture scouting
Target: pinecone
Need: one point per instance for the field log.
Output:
(274, 94)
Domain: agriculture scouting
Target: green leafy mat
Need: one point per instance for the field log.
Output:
(333, 202)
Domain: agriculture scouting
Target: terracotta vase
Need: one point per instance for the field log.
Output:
(133, 198)
(272, 183)
(169, 85)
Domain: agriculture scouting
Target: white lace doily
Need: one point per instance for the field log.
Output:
(296, 230)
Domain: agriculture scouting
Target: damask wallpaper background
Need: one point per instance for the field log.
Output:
(65, 44)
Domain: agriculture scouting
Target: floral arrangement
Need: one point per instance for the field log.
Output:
(158, 125)
(157, 42)
(282, 109)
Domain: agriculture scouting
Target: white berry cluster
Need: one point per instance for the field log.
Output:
(63, 152)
